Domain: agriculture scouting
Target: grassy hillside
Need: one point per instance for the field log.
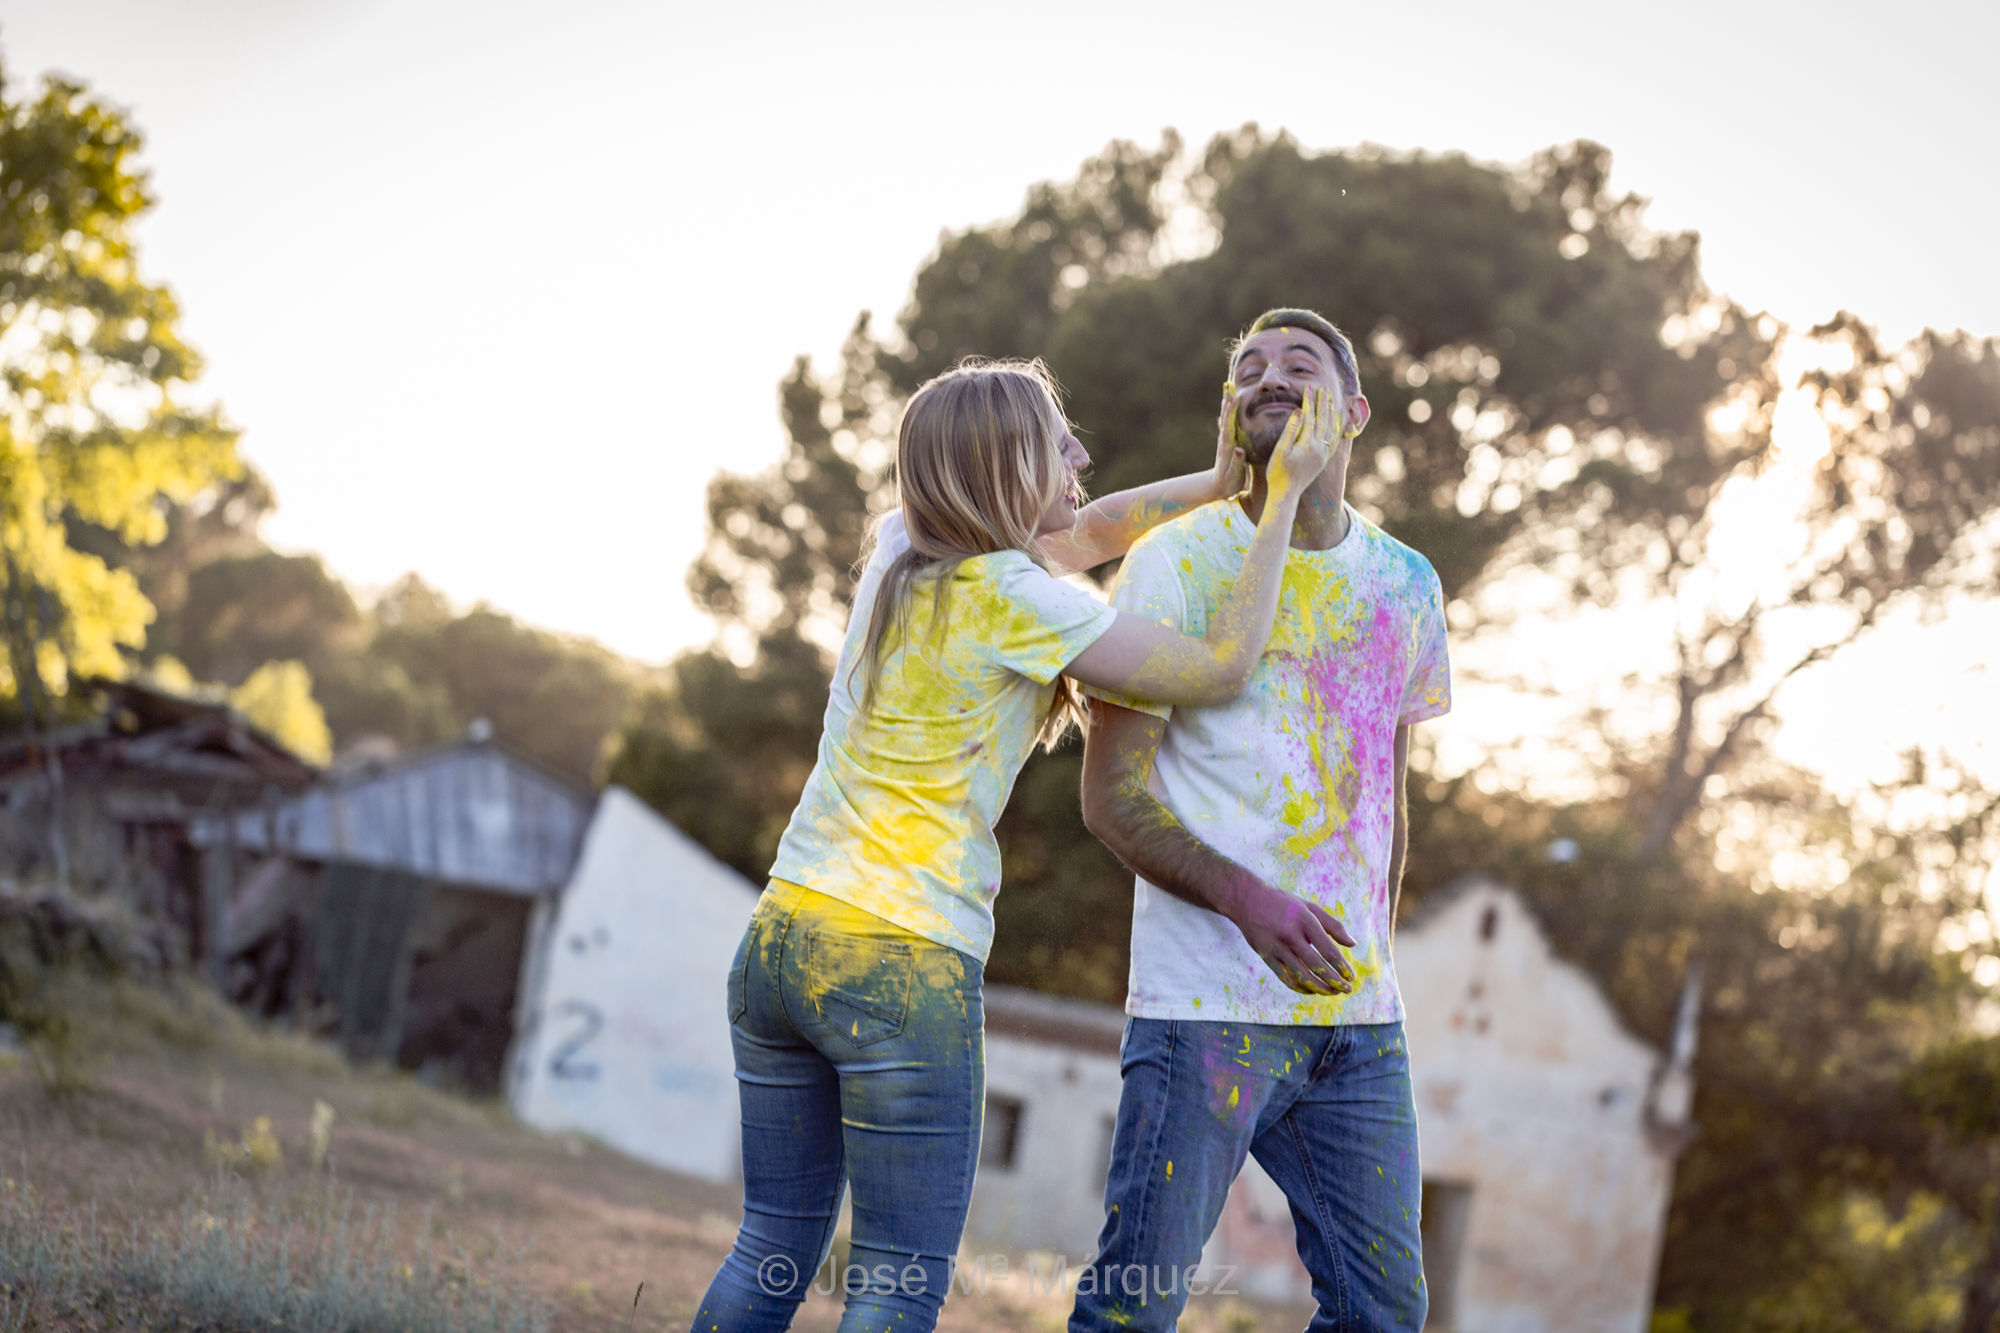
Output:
(195, 1171)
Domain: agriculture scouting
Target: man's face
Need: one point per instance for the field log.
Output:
(1274, 369)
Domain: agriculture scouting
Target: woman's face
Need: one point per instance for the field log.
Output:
(1060, 516)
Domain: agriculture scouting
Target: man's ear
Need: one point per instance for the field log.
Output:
(1356, 416)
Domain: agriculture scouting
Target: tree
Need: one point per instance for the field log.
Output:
(278, 697)
(100, 419)
(1900, 513)
(554, 697)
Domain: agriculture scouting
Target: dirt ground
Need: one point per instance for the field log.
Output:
(559, 1216)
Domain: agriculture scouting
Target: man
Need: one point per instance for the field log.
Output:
(1268, 838)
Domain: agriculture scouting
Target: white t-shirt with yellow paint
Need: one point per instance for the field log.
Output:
(1293, 780)
(897, 817)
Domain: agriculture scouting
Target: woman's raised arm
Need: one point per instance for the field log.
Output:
(1145, 660)
(1106, 527)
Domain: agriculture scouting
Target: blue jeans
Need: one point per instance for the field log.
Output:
(1327, 1112)
(860, 1053)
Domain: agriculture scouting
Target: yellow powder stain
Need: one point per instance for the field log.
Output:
(1233, 1092)
(1303, 802)
(1309, 622)
(849, 958)
(1170, 1170)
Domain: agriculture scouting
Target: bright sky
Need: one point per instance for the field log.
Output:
(495, 287)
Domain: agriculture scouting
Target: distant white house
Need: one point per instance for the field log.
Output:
(622, 1032)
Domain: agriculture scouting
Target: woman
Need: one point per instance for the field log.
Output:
(854, 1001)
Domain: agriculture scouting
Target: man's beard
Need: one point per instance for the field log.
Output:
(1261, 441)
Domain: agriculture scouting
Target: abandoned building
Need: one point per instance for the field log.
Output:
(107, 804)
(393, 904)
(623, 1034)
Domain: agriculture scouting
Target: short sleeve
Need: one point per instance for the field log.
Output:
(1034, 623)
(1149, 586)
(891, 538)
(1427, 691)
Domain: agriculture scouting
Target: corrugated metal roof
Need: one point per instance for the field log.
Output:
(474, 814)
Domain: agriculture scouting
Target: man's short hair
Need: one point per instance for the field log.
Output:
(1344, 365)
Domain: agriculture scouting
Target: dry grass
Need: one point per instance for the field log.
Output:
(202, 1145)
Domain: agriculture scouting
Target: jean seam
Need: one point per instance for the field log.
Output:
(1327, 1233)
(1149, 1201)
(975, 1100)
(781, 955)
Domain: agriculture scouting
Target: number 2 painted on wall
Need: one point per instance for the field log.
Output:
(563, 1062)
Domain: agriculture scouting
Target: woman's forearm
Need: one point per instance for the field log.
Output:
(1141, 659)
(1106, 527)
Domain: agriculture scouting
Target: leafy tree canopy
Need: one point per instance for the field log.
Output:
(99, 419)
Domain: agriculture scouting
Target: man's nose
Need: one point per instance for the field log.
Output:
(1273, 377)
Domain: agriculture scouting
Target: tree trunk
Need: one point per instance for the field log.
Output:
(1982, 1288)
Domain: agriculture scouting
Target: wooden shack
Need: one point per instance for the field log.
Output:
(106, 804)
(394, 903)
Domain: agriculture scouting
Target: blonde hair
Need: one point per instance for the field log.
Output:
(978, 462)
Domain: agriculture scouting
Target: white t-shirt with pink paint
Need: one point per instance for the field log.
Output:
(1293, 780)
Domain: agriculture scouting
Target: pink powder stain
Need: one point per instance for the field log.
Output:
(1224, 1073)
(1358, 685)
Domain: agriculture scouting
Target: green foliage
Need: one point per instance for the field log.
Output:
(554, 697)
(238, 612)
(99, 418)
(278, 697)
(1488, 344)
(288, 639)
(768, 717)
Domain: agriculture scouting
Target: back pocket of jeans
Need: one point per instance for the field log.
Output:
(860, 987)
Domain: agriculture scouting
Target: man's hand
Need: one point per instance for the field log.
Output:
(1305, 448)
(1300, 941)
(1232, 467)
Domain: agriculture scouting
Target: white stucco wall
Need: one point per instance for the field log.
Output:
(626, 1037)
(1052, 1198)
(1530, 1091)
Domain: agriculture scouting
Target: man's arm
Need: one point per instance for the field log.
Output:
(1296, 938)
(1399, 843)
